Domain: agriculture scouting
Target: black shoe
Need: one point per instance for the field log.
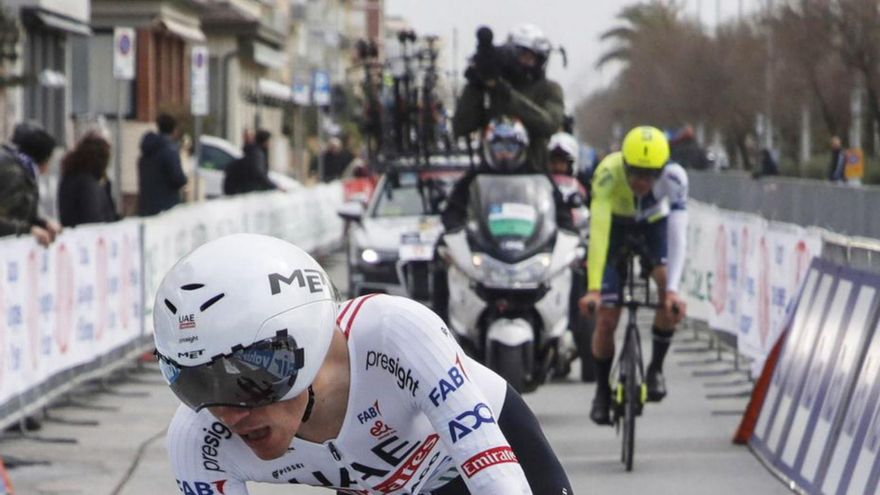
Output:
(656, 385)
(600, 412)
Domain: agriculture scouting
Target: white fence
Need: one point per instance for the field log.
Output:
(743, 272)
(84, 305)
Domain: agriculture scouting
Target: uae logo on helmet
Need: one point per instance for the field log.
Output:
(187, 322)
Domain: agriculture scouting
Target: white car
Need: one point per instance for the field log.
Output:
(216, 154)
(391, 238)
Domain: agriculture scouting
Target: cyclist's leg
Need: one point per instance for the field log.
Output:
(664, 325)
(523, 432)
(608, 312)
(607, 316)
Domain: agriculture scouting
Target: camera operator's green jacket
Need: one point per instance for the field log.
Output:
(539, 105)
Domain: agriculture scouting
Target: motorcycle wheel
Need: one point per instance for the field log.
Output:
(509, 362)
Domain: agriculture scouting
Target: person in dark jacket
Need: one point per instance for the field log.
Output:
(250, 172)
(686, 151)
(336, 160)
(20, 162)
(520, 90)
(505, 152)
(159, 170)
(84, 191)
(838, 161)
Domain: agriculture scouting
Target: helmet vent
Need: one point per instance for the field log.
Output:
(192, 286)
(170, 306)
(207, 304)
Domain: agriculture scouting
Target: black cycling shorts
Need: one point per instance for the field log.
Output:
(538, 461)
(651, 250)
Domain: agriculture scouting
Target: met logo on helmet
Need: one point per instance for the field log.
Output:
(313, 279)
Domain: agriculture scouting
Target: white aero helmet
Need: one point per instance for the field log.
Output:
(563, 144)
(244, 320)
(530, 37)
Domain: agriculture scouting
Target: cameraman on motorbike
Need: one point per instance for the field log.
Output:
(510, 80)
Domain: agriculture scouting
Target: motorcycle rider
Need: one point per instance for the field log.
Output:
(520, 89)
(504, 151)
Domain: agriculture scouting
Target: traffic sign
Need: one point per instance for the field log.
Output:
(321, 88)
(199, 80)
(123, 53)
(301, 91)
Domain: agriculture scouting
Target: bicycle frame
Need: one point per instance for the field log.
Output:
(631, 391)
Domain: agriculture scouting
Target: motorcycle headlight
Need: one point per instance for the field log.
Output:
(525, 274)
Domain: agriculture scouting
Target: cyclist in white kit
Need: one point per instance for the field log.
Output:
(282, 384)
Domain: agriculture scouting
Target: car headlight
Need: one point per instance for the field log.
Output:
(370, 256)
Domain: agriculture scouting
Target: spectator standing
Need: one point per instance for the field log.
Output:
(20, 163)
(84, 191)
(686, 151)
(250, 172)
(159, 169)
(336, 160)
(837, 161)
(768, 164)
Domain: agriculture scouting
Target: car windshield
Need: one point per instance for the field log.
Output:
(214, 158)
(398, 202)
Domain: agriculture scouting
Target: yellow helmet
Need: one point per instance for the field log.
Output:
(645, 147)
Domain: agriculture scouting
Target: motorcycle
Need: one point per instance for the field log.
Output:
(509, 273)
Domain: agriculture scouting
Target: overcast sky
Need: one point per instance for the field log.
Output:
(575, 24)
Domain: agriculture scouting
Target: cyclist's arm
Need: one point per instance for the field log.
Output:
(200, 455)
(600, 227)
(479, 449)
(676, 224)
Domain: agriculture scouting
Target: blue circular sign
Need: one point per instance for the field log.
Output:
(124, 44)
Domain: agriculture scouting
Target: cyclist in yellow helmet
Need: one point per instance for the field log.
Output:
(638, 203)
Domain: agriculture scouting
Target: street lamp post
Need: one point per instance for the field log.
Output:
(768, 80)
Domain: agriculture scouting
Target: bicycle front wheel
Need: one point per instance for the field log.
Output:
(630, 408)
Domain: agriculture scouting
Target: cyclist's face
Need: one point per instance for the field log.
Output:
(641, 184)
(559, 166)
(268, 430)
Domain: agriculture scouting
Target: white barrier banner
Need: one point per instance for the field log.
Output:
(696, 283)
(743, 272)
(306, 217)
(74, 302)
(68, 304)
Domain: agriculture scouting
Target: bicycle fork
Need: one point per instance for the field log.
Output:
(631, 362)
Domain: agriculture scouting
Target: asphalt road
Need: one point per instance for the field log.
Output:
(682, 444)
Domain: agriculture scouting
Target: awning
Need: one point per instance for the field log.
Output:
(273, 89)
(62, 23)
(185, 31)
(268, 56)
